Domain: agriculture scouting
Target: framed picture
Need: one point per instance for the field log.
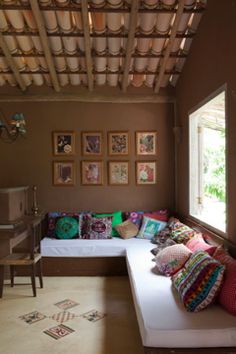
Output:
(146, 143)
(118, 172)
(63, 143)
(146, 172)
(63, 173)
(92, 172)
(118, 143)
(91, 143)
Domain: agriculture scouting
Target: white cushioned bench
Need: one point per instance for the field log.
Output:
(163, 320)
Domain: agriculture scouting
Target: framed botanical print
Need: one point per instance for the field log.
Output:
(118, 143)
(146, 143)
(146, 172)
(118, 172)
(63, 143)
(63, 173)
(92, 172)
(91, 143)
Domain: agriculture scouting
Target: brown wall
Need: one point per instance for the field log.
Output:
(210, 65)
(29, 161)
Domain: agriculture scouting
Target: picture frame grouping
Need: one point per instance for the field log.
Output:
(92, 165)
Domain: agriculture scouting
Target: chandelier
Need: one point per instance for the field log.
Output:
(15, 129)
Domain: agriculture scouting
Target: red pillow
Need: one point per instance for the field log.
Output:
(197, 243)
(161, 215)
(227, 295)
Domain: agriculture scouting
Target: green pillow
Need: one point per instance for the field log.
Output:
(116, 220)
(66, 227)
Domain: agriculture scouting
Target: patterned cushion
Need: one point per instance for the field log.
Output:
(99, 228)
(227, 295)
(197, 243)
(180, 232)
(172, 258)
(165, 243)
(116, 220)
(127, 229)
(161, 236)
(150, 227)
(66, 227)
(135, 216)
(199, 281)
(53, 218)
(84, 224)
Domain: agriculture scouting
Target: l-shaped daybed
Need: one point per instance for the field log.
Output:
(165, 325)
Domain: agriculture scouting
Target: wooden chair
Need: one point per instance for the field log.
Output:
(32, 258)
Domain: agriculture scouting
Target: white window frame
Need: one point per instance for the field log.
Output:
(195, 183)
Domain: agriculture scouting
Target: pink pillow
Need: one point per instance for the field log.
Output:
(161, 215)
(197, 243)
(227, 295)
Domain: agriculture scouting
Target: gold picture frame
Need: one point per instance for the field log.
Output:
(118, 143)
(146, 172)
(92, 173)
(92, 143)
(63, 173)
(63, 143)
(118, 173)
(146, 143)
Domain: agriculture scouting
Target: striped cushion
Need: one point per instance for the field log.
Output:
(180, 232)
(227, 295)
(199, 281)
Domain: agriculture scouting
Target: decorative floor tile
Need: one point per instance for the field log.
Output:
(32, 317)
(93, 315)
(66, 304)
(63, 316)
(59, 331)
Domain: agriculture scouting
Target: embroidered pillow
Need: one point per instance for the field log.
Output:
(135, 217)
(197, 243)
(53, 218)
(127, 229)
(199, 281)
(172, 258)
(227, 295)
(166, 243)
(180, 232)
(84, 224)
(150, 227)
(161, 236)
(99, 228)
(116, 220)
(66, 227)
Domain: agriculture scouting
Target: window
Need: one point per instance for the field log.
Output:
(208, 163)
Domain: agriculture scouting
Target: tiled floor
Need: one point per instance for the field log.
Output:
(82, 315)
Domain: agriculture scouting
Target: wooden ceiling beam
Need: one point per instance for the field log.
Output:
(170, 45)
(11, 63)
(87, 45)
(130, 43)
(45, 43)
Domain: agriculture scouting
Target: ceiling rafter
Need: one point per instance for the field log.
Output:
(87, 45)
(11, 63)
(130, 42)
(45, 43)
(170, 45)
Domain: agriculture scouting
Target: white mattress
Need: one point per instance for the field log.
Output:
(114, 247)
(163, 321)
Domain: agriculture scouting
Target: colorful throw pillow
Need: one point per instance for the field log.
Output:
(158, 215)
(135, 217)
(227, 295)
(197, 243)
(150, 227)
(172, 258)
(66, 227)
(165, 243)
(84, 225)
(161, 236)
(180, 232)
(99, 228)
(53, 218)
(116, 220)
(127, 229)
(199, 281)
